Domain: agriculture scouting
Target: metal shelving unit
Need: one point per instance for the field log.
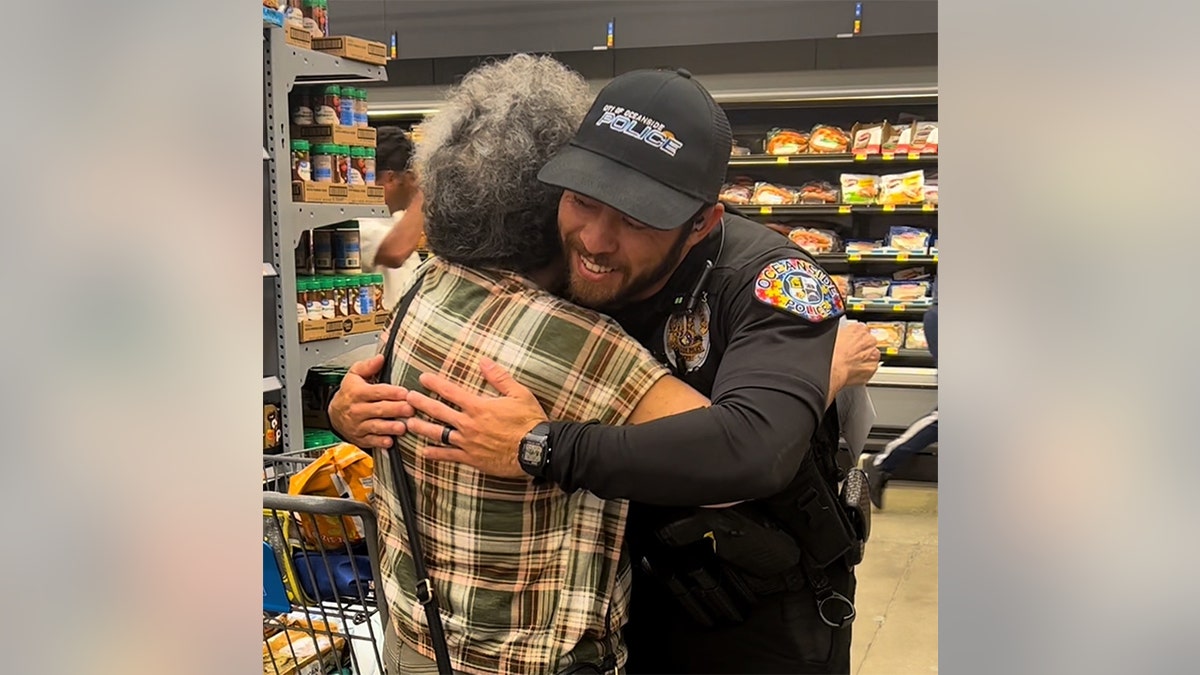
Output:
(284, 67)
(753, 210)
(843, 159)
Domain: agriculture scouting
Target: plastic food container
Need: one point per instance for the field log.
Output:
(322, 163)
(301, 164)
(346, 251)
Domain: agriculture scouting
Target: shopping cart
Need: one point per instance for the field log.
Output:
(322, 614)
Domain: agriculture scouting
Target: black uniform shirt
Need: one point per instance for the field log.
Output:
(750, 348)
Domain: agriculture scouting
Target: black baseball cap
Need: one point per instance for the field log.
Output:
(654, 146)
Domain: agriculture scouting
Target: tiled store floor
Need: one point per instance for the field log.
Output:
(896, 632)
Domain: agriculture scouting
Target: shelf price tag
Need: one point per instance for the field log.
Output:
(889, 155)
(902, 256)
(914, 155)
(781, 160)
(898, 308)
(764, 210)
(891, 351)
(888, 208)
(860, 157)
(854, 257)
(928, 207)
(857, 308)
(935, 257)
(843, 209)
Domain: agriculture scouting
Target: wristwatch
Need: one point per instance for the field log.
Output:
(534, 453)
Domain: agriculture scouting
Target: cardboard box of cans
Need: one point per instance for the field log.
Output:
(325, 329)
(336, 193)
(355, 49)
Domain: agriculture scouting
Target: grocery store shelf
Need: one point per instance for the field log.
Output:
(312, 354)
(891, 353)
(304, 66)
(271, 384)
(297, 217)
(839, 158)
(269, 270)
(846, 258)
(888, 306)
(900, 376)
(831, 209)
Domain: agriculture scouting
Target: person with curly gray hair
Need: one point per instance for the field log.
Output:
(528, 578)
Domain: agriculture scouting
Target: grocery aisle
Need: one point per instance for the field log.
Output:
(896, 632)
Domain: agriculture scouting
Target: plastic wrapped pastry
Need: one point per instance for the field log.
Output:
(871, 288)
(814, 241)
(766, 193)
(737, 194)
(859, 188)
(909, 239)
(909, 291)
(902, 188)
(887, 333)
(818, 192)
(861, 246)
(925, 138)
(868, 138)
(786, 142)
(915, 336)
(826, 139)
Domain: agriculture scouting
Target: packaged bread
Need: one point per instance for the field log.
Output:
(786, 142)
(736, 194)
(868, 138)
(925, 138)
(871, 288)
(911, 239)
(914, 337)
(826, 139)
(844, 284)
(815, 242)
(887, 334)
(861, 246)
(817, 192)
(859, 188)
(898, 138)
(902, 188)
(909, 291)
(766, 193)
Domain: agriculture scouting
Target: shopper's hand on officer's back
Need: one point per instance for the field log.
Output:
(855, 356)
(367, 414)
(486, 430)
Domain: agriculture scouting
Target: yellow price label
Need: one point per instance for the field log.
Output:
(928, 207)
(902, 256)
(764, 210)
(860, 157)
(888, 208)
(898, 308)
(854, 257)
(857, 308)
(781, 160)
(889, 155)
(891, 351)
(914, 155)
(935, 257)
(843, 209)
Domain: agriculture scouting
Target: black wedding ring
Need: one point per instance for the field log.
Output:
(446, 435)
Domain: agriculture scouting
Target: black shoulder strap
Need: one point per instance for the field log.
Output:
(408, 505)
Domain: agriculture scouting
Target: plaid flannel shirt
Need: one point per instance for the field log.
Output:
(529, 579)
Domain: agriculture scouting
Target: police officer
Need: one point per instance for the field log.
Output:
(748, 319)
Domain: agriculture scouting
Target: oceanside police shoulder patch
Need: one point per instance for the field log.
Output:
(799, 287)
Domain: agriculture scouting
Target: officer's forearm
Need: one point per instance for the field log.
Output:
(729, 452)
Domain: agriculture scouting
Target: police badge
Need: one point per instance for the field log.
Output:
(686, 334)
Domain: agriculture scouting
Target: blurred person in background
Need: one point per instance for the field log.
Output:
(918, 436)
(389, 245)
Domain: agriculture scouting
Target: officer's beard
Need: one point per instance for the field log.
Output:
(602, 298)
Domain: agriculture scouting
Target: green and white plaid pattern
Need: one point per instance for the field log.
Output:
(530, 579)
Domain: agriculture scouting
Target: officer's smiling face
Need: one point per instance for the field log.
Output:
(613, 260)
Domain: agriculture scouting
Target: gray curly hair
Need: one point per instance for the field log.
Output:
(479, 159)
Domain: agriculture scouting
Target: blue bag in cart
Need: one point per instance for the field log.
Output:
(275, 599)
(348, 585)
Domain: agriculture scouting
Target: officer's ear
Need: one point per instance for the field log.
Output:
(704, 222)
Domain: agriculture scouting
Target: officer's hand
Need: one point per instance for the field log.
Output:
(364, 413)
(855, 356)
(486, 431)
